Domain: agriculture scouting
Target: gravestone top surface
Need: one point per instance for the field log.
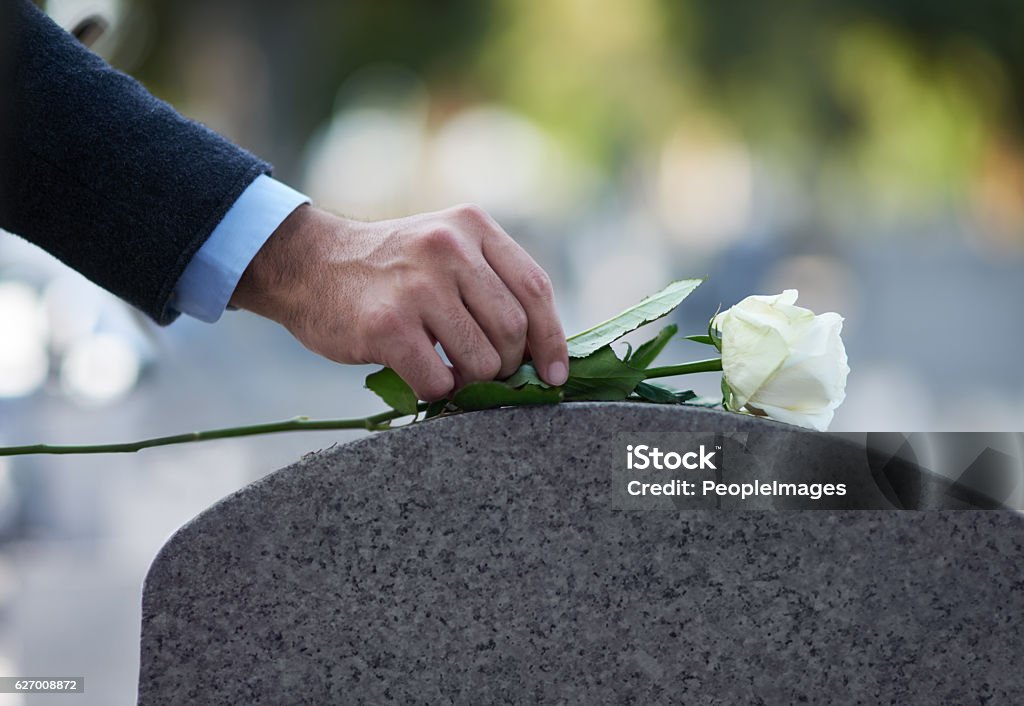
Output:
(482, 558)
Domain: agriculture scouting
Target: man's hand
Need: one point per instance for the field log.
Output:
(386, 292)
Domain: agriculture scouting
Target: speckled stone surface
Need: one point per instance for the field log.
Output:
(480, 560)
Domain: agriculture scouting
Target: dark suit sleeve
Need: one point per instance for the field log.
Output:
(103, 175)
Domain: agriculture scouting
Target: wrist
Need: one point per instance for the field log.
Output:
(270, 282)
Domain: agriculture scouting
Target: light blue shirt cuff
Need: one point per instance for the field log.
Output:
(206, 286)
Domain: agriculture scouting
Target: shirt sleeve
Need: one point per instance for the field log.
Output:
(209, 280)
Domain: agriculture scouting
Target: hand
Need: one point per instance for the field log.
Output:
(386, 292)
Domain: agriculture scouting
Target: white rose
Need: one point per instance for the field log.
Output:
(782, 360)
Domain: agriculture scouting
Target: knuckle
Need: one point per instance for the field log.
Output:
(441, 239)
(537, 284)
(418, 287)
(384, 321)
(515, 324)
(471, 213)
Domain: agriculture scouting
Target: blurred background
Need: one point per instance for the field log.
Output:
(867, 153)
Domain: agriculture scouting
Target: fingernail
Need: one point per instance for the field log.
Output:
(557, 373)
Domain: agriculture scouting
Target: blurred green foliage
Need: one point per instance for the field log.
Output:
(905, 92)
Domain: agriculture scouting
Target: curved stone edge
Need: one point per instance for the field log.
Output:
(710, 420)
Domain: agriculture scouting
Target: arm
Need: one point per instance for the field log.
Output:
(123, 189)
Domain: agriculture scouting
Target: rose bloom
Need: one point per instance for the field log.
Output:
(783, 360)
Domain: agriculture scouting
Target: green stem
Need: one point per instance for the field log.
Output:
(376, 422)
(710, 365)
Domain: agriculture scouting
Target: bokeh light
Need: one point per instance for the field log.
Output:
(73, 306)
(23, 338)
(99, 369)
(705, 188)
(501, 161)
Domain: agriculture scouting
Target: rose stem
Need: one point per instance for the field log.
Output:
(710, 365)
(375, 422)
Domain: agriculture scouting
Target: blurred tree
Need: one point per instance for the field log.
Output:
(908, 93)
(300, 52)
(905, 95)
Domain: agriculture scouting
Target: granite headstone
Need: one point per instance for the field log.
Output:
(484, 558)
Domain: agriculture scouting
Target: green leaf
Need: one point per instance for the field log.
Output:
(435, 408)
(393, 390)
(526, 374)
(706, 402)
(706, 340)
(664, 394)
(488, 395)
(645, 354)
(601, 376)
(653, 307)
(655, 393)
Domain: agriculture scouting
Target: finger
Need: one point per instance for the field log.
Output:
(463, 341)
(532, 288)
(497, 312)
(413, 357)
